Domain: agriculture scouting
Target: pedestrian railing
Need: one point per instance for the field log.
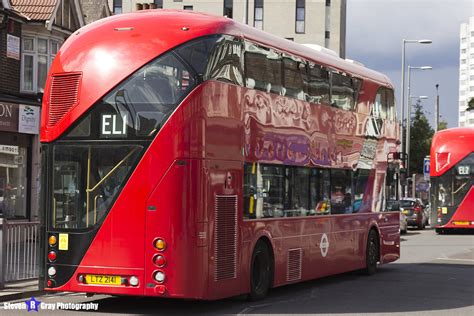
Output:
(19, 246)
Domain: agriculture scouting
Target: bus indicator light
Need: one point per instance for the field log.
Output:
(160, 244)
(52, 240)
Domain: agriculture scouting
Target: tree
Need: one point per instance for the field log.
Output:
(420, 139)
(442, 124)
(470, 105)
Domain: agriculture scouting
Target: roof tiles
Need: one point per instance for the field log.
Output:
(36, 10)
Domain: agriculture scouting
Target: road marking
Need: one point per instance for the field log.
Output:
(455, 259)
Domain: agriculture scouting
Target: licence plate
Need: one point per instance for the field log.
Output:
(103, 279)
(406, 211)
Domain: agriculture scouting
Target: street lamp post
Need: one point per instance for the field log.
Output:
(421, 97)
(437, 109)
(423, 41)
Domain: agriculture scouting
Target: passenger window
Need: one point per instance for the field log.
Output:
(262, 68)
(285, 191)
(297, 185)
(384, 106)
(361, 178)
(341, 191)
(317, 84)
(342, 91)
(197, 53)
(294, 75)
(225, 61)
(320, 191)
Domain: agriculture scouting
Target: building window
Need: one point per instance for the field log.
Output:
(228, 8)
(188, 7)
(300, 16)
(258, 15)
(328, 3)
(37, 55)
(159, 4)
(326, 34)
(117, 6)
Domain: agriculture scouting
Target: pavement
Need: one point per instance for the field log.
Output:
(19, 290)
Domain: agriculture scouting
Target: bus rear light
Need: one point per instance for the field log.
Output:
(52, 256)
(159, 260)
(50, 283)
(52, 240)
(159, 277)
(52, 271)
(159, 244)
(160, 289)
(133, 281)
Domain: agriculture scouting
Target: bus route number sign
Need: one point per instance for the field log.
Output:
(464, 170)
(113, 125)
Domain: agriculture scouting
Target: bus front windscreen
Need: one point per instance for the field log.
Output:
(452, 187)
(86, 180)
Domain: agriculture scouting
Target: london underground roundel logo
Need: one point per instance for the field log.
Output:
(324, 245)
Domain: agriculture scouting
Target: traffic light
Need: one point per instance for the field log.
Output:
(403, 176)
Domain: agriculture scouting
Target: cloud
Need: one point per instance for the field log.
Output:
(376, 29)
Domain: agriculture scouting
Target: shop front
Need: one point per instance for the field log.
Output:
(19, 161)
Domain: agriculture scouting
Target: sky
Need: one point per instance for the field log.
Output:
(375, 31)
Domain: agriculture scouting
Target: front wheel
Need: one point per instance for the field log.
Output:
(260, 273)
(372, 253)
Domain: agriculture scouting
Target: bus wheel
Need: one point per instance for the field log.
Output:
(372, 253)
(260, 273)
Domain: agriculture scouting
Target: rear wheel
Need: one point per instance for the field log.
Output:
(261, 272)
(372, 253)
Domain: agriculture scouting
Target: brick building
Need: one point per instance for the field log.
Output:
(31, 33)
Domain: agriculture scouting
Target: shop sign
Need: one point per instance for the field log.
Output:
(5, 149)
(13, 47)
(28, 119)
(8, 117)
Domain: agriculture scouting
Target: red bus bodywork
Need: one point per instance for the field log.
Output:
(196, 161)
(452, 175)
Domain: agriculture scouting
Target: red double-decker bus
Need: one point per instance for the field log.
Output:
(452, 179)
(190, 156)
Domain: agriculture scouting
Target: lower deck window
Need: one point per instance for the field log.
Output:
(288, 191)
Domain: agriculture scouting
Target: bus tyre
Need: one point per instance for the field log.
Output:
(260, 272)
(372, 253)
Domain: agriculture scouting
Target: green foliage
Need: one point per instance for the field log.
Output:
(470, 105)
(442, 124)
(421, 134)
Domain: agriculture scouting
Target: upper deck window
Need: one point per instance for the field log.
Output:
(343, 91)
(294, 78)
(263, 68)
(384, 106)
(138, 107)
(225, 61)
(317, 84)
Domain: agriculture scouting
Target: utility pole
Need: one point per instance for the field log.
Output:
(437, 109)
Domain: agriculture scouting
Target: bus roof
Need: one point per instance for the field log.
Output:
(450, 146)
(109, 50)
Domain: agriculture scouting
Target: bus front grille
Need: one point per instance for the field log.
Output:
(63, 96)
